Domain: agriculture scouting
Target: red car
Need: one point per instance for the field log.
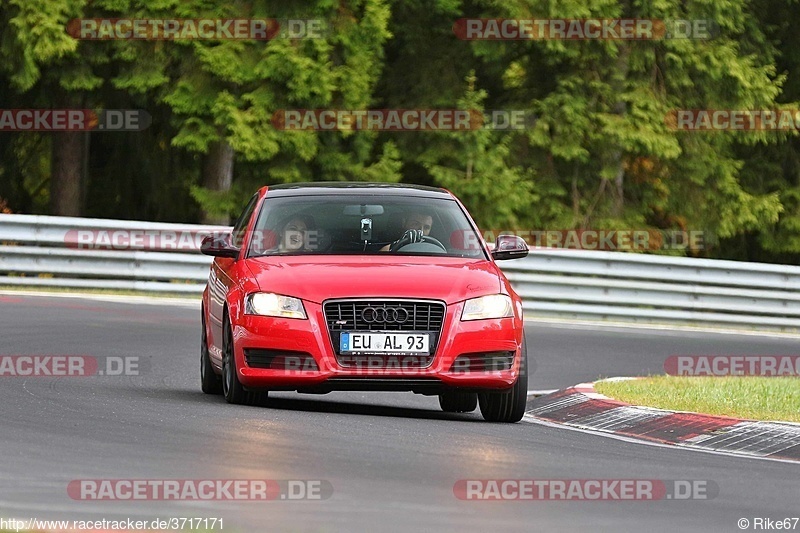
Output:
(326, 287)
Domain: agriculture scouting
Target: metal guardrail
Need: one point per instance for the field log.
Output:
(46, 251)
(657, 289)
(57, 252)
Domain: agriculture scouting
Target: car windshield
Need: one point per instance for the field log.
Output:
(369, 224)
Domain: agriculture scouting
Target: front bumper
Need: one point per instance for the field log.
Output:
(325, 374)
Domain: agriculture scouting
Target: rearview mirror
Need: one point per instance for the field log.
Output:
(219, 245)
(363, 210)
(509, 247)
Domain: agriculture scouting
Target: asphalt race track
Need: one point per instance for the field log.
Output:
(392, 458)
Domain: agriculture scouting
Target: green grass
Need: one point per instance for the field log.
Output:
(756, 398)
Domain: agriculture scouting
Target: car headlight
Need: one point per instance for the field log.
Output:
(268, 304)
(492, 306)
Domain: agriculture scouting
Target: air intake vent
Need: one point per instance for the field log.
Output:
(483, 362)
(280, 360)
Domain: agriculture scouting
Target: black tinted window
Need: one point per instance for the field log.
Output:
(241, 223)
(350, 224)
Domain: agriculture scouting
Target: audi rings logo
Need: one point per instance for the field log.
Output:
(384, 315)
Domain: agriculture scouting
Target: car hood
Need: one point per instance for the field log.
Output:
(318, 278)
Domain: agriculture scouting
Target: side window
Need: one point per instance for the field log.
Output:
(240, 226)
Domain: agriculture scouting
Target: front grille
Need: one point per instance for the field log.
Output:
(483, 362)
(423, 316)
(280, 360)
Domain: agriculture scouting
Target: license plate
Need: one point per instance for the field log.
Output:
(394, 343)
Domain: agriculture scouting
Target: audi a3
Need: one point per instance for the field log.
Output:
(323, 287)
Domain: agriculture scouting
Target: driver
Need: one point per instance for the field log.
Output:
(417, 225)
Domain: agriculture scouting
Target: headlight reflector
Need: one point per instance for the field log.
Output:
(269, 304)
(491, 306)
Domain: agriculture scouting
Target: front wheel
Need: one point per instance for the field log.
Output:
(231, 387)
(210, 382)
(508, 406)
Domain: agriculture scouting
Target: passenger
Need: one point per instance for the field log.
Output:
(296, 233)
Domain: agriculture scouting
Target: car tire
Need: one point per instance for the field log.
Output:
(508, 406)
(210, 382)
(458, 402)
(232, 389)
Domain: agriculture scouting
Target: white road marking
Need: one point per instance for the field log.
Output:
(534, 420)
(541, 392)
(112, 298)
(666, 328)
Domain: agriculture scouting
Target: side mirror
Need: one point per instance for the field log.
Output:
(509, 247)
(219, 246)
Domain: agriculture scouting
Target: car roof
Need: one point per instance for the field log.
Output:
(356, 187)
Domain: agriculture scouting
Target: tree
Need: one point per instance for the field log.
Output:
(34, 37)
(224, 93)
(477, 166)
